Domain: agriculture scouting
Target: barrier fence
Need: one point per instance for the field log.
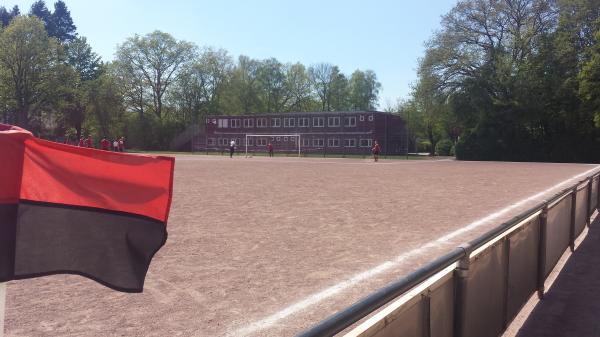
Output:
(477, 289)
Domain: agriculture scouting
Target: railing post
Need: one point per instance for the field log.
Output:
(462, 274)
(426, 314)
(506, 251)
(598, 194)
(541, 272)
(573, 218)
(588, 209)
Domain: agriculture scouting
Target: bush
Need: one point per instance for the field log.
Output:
(444, 147)
(423, 146)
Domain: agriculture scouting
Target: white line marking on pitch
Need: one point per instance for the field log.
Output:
(335, 289)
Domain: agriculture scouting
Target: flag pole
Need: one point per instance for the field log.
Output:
(2, 306)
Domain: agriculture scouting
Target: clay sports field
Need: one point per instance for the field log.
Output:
(268, 246)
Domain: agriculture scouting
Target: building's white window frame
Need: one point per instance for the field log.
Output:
(303, 122)
(369, 142)
(289, 122)
(350, 121)
(211, 141)
(248, 123)
(306, 142)
(318, 122)
(236, 123)
(371, 118)
(261, 142)
(250, 141)
(350, 142)
(276, 122)
(285, 139)
(223, 123)
(223, 141)
(333, 122)
(362, 118)
(333, 142)
(261, 123)
(318, 142)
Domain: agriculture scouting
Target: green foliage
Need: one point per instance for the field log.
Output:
(444, 147)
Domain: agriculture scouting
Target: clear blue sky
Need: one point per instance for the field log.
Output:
(386, 36)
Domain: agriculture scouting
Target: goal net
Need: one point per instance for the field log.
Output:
(282, 143)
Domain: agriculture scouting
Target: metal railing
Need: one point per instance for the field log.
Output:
(477, 289)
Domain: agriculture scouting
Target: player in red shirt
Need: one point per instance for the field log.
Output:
(121, 144)
(376, 149)
(104, 144)
(81, 142)
(89, 142)
(270, 149)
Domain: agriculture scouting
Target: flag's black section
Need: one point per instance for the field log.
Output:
(8, 222)
(112, 248)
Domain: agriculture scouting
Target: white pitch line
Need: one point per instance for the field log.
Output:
(354, 280)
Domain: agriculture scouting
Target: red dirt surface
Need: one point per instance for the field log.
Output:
(248, 238)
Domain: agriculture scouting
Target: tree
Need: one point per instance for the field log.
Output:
(298, 88)
(63, 28)
(321, 77)
(154, 60)
(40, 10)
(6, 16)
(29, 69)
(364, 90)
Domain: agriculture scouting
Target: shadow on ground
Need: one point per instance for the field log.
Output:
(572, 305)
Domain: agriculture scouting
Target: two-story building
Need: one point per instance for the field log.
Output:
(347, 132)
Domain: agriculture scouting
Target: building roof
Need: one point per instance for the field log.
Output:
(303, 113)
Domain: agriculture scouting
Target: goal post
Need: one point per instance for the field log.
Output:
(273, 138)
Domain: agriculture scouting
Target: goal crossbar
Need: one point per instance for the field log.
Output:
(271, 136)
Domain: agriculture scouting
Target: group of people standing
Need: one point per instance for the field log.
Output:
(117, 145)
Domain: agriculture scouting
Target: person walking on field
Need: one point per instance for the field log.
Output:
(104, 144)
(376, 149)
(115, 145)
(231, 148)
(81, 142)
(121, 144)
(270, 149)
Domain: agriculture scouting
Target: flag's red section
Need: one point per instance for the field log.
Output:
(64, 174)
(11, 155)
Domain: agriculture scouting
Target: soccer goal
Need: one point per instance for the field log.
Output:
(280, 142)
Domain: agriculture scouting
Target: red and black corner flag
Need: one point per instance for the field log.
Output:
(66, 209)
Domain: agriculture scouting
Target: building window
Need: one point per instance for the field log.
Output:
(249, 123)
(223, 123)
(366, 142)
(236, 123)
(276, 122)
(238, 141)
(293, 139)
(250, 141)
(319, 142)
(289, 122)
(350, 121)
(333, 121)
(223, 142)
(362, 118)
(211, 142)
(261, 142)
(318, 122)
(303, 122)
(305, 142)
(261, 122)
(370, 118)
(285, 139)
(278, 139)
(350, 142)
(333, 142)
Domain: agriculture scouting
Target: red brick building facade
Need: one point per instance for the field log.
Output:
(331, 132)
